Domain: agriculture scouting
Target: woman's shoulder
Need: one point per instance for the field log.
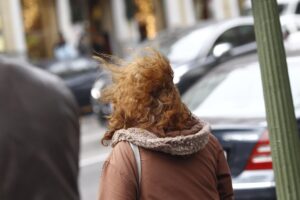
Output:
(214, 143)
(121, 151)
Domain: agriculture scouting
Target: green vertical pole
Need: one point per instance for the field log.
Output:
(281, 119)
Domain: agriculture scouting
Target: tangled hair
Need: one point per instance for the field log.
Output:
(143, 95)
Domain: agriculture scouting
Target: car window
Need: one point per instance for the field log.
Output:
(191, 46)
(202, 89)
(230, 36)
(246, 34)
(237, 36)
(281, 8)
(236, 93)
(298, 9)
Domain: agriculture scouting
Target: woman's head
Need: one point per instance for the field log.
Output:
(143, 95)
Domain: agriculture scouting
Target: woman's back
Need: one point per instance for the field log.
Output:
(180, 159)
(203, 174)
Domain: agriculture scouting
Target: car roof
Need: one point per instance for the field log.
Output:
(224, 22)
(211, 30)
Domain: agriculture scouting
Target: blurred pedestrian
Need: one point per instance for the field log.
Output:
(39, 135)
(63, 50)
(160, 150)
(83, 45)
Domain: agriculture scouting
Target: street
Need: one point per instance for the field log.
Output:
(92, 156)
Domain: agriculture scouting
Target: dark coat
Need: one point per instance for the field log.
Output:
(39, 135)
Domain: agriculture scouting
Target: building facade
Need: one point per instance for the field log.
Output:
(31, 28)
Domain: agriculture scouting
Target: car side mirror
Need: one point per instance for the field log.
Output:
(221, 49)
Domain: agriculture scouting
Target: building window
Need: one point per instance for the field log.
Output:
(202, 9)
(40, 27)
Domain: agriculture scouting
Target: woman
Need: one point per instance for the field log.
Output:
(180, 158)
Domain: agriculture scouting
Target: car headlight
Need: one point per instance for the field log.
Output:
(96, 89)
(95, 93)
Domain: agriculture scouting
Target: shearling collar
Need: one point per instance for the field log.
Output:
(182, 144)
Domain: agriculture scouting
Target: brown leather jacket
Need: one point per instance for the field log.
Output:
(188, 166)
(39, 135)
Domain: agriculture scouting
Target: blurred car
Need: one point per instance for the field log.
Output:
(79, 75)
(230, 97)
(210, 43)
(219, 42)
(102, 110)
(234, 42)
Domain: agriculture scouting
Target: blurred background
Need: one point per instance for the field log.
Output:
(31, 28)
(199, 37)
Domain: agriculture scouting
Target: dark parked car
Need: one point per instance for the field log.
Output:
(79, 75)
(102, 110)
(230, 97)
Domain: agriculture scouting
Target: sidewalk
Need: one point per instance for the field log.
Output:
(92, 156)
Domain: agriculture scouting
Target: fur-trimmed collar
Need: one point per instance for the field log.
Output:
(183, 144)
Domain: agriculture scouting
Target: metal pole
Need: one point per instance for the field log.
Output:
(281, 119)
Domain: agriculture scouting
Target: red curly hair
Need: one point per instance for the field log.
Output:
(143, 95)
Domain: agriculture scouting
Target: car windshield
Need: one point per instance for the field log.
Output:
(191, 46)
(237, 93)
